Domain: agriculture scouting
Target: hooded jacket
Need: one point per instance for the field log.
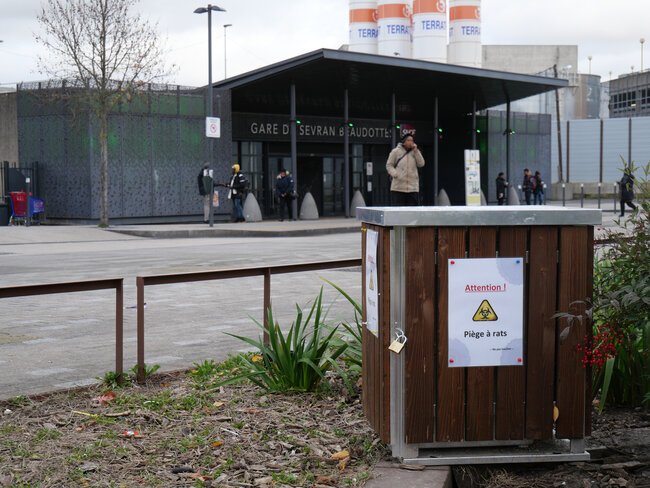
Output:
(402, 166)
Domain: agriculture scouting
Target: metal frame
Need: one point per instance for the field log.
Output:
(78, 286)
(211, 275)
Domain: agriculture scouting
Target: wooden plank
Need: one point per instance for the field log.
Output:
(575, 269)
(511, 380)
(540, 332)
(384, 333)
(590, 332)
(450, 420)
(419, 330)
(480, 381)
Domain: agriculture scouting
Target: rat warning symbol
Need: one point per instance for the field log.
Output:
(485, 313)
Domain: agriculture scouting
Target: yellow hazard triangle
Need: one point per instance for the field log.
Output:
(485, 313)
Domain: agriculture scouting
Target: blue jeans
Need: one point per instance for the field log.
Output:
(239, 209)
(538, 198)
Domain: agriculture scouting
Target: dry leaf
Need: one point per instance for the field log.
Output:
(340, 455)
(218, 404)
(217, 444)
(106, 398)
(556, 413)
(256, 358)
(343, 463)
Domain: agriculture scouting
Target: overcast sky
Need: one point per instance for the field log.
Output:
(265, 31)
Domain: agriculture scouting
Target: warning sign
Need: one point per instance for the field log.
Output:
(485, 313)
(478, 335)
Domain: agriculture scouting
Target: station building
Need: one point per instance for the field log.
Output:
(329, 116)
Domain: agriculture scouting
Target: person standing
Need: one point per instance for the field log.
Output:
(205, 189)
(402, 166)
(538, 188)
(527, 186)
(284, 192)
(627, 191)
(501, 189)
(238, 185)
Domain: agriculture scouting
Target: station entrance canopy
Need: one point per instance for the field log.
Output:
(322, 76)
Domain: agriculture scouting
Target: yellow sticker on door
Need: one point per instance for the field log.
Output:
(485, 313)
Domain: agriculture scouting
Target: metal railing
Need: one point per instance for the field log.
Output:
(265, 271)
(116, 284)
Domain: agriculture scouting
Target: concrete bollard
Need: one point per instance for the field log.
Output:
(308, 209)
(357, 201)
(252, 212)
(443, 199)
(513, 198)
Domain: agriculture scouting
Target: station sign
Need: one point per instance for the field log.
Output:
(486, 312)
(271, 127)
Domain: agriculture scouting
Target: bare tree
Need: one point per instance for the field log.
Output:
(107, 51)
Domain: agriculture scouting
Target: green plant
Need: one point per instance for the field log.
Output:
(621, 308)
(352, 337)
(149, 371)
(297, 361)
(111, 380)
(203, 372)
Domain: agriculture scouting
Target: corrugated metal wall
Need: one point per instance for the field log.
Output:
(583, 150)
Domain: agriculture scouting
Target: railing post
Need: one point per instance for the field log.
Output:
(582, 195)
(267, 303)
(119, 331)
(615, 195)
(140, 332)
(599, 189)
(563, 194)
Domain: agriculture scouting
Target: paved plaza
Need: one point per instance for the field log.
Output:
(60, 341)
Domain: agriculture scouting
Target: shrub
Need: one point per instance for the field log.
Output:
(621, 308)
(296, 361)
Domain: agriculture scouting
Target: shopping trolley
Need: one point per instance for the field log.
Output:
(21, 211)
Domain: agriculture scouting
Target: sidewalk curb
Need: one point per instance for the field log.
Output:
(202, 233)
(391, 475)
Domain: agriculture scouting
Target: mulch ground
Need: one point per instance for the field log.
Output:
(177, 432)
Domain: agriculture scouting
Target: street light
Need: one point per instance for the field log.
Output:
(225, 63)
(642, 40)
(202, 10)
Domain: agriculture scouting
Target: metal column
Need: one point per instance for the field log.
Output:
(508, 130)
(474, 124)
(568, 151)
(436, 140)
(393, 121)
(294, 149)
(346, 153)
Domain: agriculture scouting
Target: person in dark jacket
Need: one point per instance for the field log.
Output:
(627, 191)
(284, 192)
(501, 189)
(237, 186)
(538, 188)
(527, 186)
(205, 189)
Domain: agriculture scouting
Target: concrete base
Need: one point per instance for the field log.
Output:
(387, 475)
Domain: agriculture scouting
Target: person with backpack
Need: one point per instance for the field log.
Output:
(627, 191)
(238, 186)
(537, 185)
(205, 189)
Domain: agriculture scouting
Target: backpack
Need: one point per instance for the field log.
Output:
(533, 183)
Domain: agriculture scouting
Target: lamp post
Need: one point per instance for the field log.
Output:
(642, 41)
(225, 53)
(208, 10)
